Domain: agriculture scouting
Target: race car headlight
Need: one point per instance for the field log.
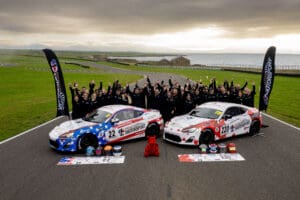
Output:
(66, 135)
(190, 130)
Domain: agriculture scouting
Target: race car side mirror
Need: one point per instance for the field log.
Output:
(227, 116)
(115, 120)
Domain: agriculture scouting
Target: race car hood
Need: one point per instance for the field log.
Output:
(185, 121)
(67, 126)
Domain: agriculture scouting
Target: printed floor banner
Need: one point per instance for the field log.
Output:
(210, 157)
(91, 160)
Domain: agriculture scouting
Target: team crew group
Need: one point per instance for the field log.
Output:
(170, 99)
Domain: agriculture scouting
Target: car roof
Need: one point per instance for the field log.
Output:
(222, 106)
(115, 108)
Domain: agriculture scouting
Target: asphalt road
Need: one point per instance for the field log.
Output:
(28, 170)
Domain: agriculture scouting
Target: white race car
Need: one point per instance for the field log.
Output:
(212, 121)
(109, 124)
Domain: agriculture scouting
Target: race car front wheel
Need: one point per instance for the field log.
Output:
(87, 140)
(207, 137)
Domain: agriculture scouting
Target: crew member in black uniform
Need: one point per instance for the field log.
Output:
(248, 97)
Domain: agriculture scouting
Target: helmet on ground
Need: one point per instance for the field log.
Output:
(98, 151)
(213, 148)
(108, 150)
(231, 148)
(90, 150)
(117, 150)
(203, 148)
(222, 148)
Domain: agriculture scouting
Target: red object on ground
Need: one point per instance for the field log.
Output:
(151, 148)
(231, 148)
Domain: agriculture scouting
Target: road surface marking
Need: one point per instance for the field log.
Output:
(290, 125)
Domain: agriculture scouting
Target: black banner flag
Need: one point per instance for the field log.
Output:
(61, 95)
(267, 78)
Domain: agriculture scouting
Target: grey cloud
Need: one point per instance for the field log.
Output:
(238, 17)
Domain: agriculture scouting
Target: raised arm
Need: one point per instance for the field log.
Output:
(101, 85)
(128, 89)
(245, 85)
(72, 90)
(170, 83)
(226, 85)
(91, 87)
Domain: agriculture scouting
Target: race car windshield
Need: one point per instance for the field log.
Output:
(99, 116)
(208, 113)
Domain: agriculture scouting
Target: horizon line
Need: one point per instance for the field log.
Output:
(141, 52)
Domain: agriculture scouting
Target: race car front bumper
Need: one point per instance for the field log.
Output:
(65, 145)
(178, 137)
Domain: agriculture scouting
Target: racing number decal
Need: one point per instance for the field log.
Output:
(111, 133)
(227, 129)
(224, 129)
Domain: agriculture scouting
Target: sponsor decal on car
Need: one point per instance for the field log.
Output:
(242, 123)
(134, 128)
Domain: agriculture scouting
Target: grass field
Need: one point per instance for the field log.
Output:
(28, 96)
(284, 101)
(27, 91)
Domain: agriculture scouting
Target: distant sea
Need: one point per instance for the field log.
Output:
(282, 61)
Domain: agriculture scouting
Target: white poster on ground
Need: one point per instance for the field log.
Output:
(91, 160)
(210, 157)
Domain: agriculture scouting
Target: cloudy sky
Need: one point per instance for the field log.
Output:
(246, 26)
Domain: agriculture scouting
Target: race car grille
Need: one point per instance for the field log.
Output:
(172, 137)
(53, 143)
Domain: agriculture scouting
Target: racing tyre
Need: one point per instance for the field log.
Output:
(152, 129)
(207, 137)
(255, 127)
(87, 140)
